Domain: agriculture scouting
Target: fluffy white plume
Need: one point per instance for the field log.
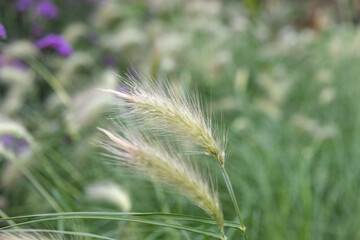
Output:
(168, 107)
(110, 192)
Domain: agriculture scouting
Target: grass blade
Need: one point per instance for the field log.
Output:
(112, 215)
(150, 222)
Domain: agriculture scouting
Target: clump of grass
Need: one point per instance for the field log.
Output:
(159, 164)
(169, 107)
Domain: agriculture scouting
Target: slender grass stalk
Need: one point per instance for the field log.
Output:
(126, 219)
(112, 215)
(233, 199)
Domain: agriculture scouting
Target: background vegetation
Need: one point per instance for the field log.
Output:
(281, 76)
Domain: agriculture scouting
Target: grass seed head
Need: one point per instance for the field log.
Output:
(26, 236)
(169, 107)
(159, 164)
(111, 192)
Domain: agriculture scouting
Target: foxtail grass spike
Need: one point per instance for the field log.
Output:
(169, 107)
(161, 165)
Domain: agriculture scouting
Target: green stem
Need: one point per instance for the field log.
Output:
(136, 220)
(177, 217)
(233, 198)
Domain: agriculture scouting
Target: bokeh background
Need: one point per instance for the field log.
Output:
(281, 76)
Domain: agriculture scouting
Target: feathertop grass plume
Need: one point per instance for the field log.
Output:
(26, 236)
(161, 165)
(20, 49)
(111, 192)
(169, 107)
(44, 234)
(10, 127)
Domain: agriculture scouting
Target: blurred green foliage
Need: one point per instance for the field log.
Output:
(286, 90)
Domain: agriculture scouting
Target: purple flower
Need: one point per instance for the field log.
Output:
(23, 5)
(2, 32)
(13, 62)
(7, 140)
(19, 64)
(47, 9)
(18, 145)
(56, 42)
